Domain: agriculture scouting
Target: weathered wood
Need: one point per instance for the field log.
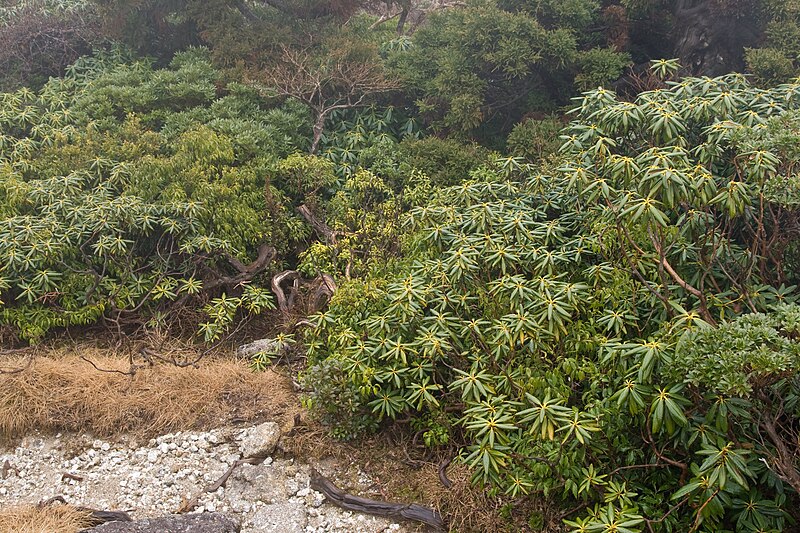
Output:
(443, 473)
(326, 286)
(407, 511)
(246, 273)
(194, 523)
(320, 227)
(102, 517)
(286, 287)
(284, 302)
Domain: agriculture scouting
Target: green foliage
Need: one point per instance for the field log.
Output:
(334, 400)
(616, 334)
(769, 65)
(262, 360)
(481, 68)
(389, 144)
(364, 214)
(223, 310)
(741, 356)
(776, 60)
(356, 138)
(304, 177)
(599, 67)
(613, 328)
(446, 162)
(576, 15)
(535, 140)
(125, 188)
(40, 38)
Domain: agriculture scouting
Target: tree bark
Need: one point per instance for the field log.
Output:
(319, 128)
(785, 462)
(320, 227)
(284, 302)
(266, 254)
(711, 38)
(324, 293)
(245, 10)
(401, 22)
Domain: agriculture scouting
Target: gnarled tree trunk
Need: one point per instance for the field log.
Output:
(711, 35)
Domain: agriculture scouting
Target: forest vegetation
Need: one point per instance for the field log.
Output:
(558, 238)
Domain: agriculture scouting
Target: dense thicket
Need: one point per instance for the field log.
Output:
(617, 333)
(470, 68)
(552, 248)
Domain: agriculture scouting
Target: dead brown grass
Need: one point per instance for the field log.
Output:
(60, 391)
(49, 519)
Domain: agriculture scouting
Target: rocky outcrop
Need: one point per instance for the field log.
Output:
(259, 441)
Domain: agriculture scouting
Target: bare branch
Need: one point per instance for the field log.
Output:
(319, 225)
(340, 79)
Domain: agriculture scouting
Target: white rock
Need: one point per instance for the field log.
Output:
(247, 351)
(152, 480)
(261, 440)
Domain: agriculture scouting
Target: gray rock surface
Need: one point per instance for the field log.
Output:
(196, 523)
(259, 483)
(256, 347)
(152, 479)
(286, 517)
(259, 441)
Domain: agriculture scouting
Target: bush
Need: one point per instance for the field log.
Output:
(599, 67)
(769, 66)
(106, 215)
(614, 336)
(333, 400)
(535, 140)
(41, 38)
(445, 161)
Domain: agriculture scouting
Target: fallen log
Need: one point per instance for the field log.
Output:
(406, 511)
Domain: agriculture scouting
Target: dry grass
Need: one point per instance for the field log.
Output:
(49, 519)
(62, 392)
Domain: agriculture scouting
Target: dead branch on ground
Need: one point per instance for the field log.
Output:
(406, 511)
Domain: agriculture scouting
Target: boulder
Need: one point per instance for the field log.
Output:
(247, 351)
(190, 523)
(259, 441)
(286, 517)
(257, 483)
